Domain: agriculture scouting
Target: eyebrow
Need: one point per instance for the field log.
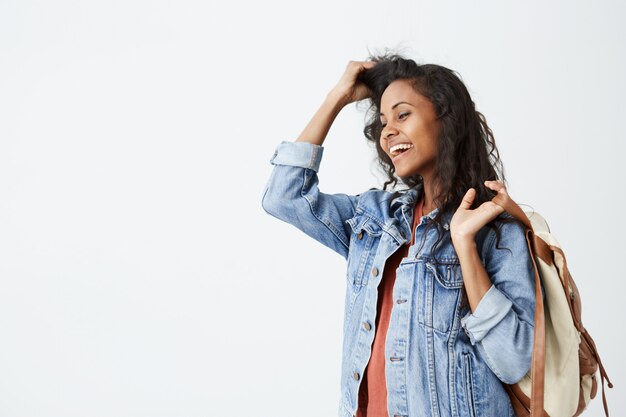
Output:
(396, 105)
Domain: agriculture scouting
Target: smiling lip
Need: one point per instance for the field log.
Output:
(395, 158)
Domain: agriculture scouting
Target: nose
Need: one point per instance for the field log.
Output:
(386, 132)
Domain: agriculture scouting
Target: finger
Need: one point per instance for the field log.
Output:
(488, 211)
(494, 184)
(494, 209)
(361, 65)
(497, 186)
(468, 199)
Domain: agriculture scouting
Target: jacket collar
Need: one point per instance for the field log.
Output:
(406, 198)
(403, 208)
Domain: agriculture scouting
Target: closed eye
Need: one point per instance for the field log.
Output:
(399, 117)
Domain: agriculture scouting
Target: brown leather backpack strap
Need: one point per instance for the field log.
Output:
(539, 344)
(513, 209)
(603, 374)
(537, 373)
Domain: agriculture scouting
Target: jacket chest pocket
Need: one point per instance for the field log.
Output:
(363, 244)
(439, 294)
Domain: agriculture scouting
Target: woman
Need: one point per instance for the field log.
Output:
(440, 292)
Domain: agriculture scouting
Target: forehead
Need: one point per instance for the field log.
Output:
(401, 90)
(398, 89)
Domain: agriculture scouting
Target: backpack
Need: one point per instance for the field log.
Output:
(562, 378)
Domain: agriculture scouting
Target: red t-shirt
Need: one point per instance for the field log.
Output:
(373, 389)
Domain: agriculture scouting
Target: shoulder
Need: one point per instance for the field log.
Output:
(508, 233)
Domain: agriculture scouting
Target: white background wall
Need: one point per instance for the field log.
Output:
(139, 274)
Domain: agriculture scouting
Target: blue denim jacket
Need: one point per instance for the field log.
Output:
(448, 361)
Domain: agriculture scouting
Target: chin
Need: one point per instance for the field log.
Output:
(402, 171)
(403, 174)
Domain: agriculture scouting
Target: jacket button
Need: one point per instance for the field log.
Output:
(356, 376)
(366, 325)
(375, 271)
(360, 235)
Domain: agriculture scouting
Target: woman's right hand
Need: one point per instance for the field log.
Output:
(348, 89)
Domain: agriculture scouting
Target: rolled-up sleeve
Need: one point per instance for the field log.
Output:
(292, 194)
(298, 154)
(492, 308)
(502, 325)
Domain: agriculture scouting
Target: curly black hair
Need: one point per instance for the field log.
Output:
(466, 150)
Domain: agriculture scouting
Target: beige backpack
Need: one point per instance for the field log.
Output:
(562, 378)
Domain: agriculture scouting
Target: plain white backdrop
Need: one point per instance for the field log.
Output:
(139, 274)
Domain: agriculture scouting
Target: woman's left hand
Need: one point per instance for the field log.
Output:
(465, 222)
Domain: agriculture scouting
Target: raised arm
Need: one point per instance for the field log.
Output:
(501, 325)
(347, 90)
(500, 286)
(292, 194)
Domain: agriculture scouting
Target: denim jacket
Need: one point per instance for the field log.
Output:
(447, 360)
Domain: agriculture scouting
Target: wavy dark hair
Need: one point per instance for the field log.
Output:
(466, 150)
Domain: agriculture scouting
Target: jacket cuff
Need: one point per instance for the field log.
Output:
(299, 154)
(490, 311)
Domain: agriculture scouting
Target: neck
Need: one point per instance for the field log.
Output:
(428, 196)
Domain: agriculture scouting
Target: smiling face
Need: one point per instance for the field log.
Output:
(408, 119)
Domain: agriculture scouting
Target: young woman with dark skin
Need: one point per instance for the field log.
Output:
(433, 329)
(413, 121)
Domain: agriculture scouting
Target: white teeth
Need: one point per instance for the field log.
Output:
(395, 148)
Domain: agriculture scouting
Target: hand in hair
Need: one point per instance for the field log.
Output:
(348, 89)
